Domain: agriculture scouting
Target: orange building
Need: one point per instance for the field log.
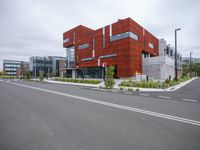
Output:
(121, 44)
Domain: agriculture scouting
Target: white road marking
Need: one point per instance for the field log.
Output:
(128, 93)
(164, 97)
(142, 111)
(144, 94)
(190, 100)
(114, 91)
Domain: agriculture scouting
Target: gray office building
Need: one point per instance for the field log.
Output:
(48, 64)
(10, 66)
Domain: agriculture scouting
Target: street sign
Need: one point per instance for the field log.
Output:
(104, 64)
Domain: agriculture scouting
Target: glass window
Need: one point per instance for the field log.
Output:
(110, 28)
(86, 59)
(133, 36)
(74, 35)
(12, 65)
(103, 37)
(11, 73)
(93, 43)
(10, 69)
(83, 46)
(171, 52)
(95, 72)
(66, 40)
(151, 45)
(70, 57)
(108, 56)
(123, 36)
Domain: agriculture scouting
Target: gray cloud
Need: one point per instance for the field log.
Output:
(35, 27)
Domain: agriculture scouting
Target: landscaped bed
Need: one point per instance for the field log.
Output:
(77, 80)
(152, 84)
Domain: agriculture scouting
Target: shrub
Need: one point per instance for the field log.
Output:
(142, 84)
(184, 78)
(167, 81)
(109, 82)
(130, 89)
(125, 83)
(137, 89)
(121, 88)
(165, 85)
(3, 73)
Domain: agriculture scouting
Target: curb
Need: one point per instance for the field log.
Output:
(176, 87)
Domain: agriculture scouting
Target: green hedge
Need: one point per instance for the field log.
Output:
(77, 80)
(8, 77)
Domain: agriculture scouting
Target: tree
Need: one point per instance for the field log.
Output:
(195, 68)
(41, 75)
(3, 73)
(52, 74)
(109, 82)
(27, 75)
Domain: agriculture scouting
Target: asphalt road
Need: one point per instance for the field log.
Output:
(188, 93)
(36, 116)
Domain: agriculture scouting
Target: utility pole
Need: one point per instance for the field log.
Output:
(191, 64)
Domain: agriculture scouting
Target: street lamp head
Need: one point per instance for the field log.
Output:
(178, 29)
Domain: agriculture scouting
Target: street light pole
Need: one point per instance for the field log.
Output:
(191, 64)
(34, 58)
(48, 72)
(176, 74)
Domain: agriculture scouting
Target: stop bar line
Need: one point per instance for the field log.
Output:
(142, 111)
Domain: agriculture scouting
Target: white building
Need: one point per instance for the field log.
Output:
(162, 67)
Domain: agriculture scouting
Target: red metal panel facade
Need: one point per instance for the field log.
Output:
(127, 51)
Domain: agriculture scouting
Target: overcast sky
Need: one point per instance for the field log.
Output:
(35, 27)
